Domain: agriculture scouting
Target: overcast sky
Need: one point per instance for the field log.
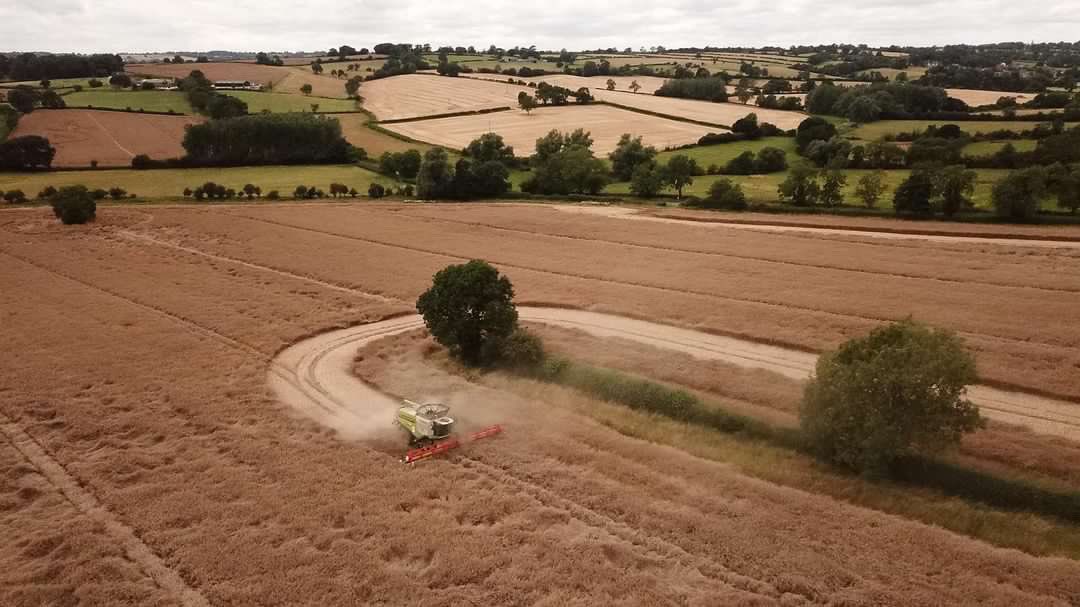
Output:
(252, 25)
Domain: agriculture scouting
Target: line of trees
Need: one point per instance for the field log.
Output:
(708, 89)
(877, 101)
(25, 99)
(293, 138)
(30, 152)
(30, 66)
(205, 100)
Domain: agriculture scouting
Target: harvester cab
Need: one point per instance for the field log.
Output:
(430, 426)
(425, 423)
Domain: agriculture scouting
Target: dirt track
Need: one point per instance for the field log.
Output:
(315, 377)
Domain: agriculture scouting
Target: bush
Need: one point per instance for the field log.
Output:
(15, 197)
(46, 193)
(117, 193)
(74, 205)
(376, 191)
(897, 392)
(725, 194)
(273, 195)
(522, 350)
(99, 194)
(468, 306)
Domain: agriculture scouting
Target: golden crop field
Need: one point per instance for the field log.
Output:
(521, 130)
(148, 462)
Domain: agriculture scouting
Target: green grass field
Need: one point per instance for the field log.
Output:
(721, 153)
(59, 85)
(284, 102)
(985, 148)
(762, 188)
(878, 130)
(151, 101)
(170, 183)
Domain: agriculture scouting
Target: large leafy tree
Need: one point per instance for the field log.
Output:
(897, 392)
(956, 184)
(628, 155)
(469, 307)
(490, 146)
(1019, 194)
(800, 188)
(680, 171)
(913, 195)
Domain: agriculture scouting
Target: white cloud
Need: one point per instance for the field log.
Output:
(129, 25)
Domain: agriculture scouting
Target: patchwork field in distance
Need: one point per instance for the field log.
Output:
(724, 114)
(110, 138)
(521, 130)
(595, 84)
(356, 131)
(263, 74)
(418, 95)
(151, 101)
(322, 85)
(876, 130)
(975, 97)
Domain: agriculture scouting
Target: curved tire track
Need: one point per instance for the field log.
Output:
(315, 375)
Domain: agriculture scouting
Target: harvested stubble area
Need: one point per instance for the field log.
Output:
(136, 352)
(520, 130)
(419, 95)
(111, 138)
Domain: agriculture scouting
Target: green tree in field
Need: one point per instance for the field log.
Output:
(468, 307)
(680, 171)
(488, 147)
(527, 102)
(870, 188)
(832, 188)
(629, 153)
(564, 164)
(634, 86)
(1067, 189)
(913, 195)
(725, 194)
(897, 392)
(352, 85)
(610, 84)
(648, 180)
(956, 184)
(800, 188)
(306, 89)
(1018, 195)
(74, 205)
(436, 176)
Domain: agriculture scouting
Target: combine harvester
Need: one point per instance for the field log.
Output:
(429, 427)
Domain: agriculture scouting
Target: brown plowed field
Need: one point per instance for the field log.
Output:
(520, 130)
(135, 359)
(263, 74)
(111, 138)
